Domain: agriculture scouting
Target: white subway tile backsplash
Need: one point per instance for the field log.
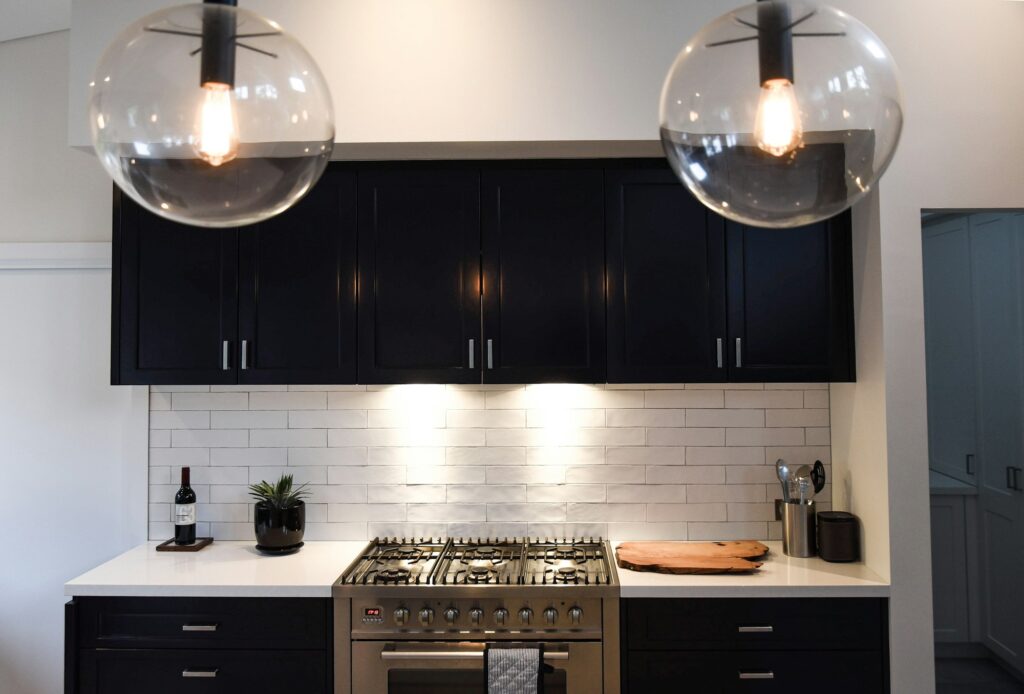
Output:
(632, 461)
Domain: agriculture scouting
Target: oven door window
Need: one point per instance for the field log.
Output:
(468, 681)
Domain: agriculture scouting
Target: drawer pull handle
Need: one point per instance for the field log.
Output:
(199, 627)
(761, 675)
(755, 630)
(194, 672)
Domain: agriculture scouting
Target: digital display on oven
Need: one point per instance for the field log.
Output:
(371, 612)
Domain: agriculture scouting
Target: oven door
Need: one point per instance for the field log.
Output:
(410, 667)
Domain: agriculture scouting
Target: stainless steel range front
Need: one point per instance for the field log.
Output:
(417, 615)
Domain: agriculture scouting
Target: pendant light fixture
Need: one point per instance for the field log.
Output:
(211, 115)
(781, 113)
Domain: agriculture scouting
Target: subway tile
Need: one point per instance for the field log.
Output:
(565, 455)
(764, 437)
(215, 475)
(406, 530)
(524, 474)
(665, 399)
(288, 401)
(647, 493)
(464, 437)
(726, 531)
(160, 513)
(338, 493)
(506, 419)
(433, 418)
(751, 474)
(160, 474)
(326, 419)
(797, 418)
(647, 531)
(159, 402)
(209, 401)
(230, 494)
(337, 532)
(579, 396)
(555, 531)
(604, 513)
(663, 513)
(160, 438)
(562, 419)
(685, 474)
(386, 437)
(510, 493)
(565, 492)
(612, 437)
(646, 455)
(645, 418)
(326, 456)
(244, 419)
(751, 512)
(255, 457)
(230, 531)
(819, 436)
(322, 388)
(355, 513)
(405, 493)
(483, 529)
(415, 455)
(316, 513)
(816, 399)
(799, 455)
(447, 474)
(179, 389)
(765, 399)
(536, 512)
(222, 513)
(686, 437)
(602, 474)
(447, 512)
(725, 418)
(370, 474)
(512, 399)
(164, 493)
(209, 438)
(725, 455)
(481, 455)
(246, 388)
(179, 456)
(288, 438)
(709, 493)
(724, 386)
(464, 397)
(796, 386)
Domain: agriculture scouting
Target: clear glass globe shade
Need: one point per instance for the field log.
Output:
(223, 155)
(781, 154)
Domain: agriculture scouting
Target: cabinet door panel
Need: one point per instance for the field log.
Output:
(790, 300)
(666, 281)
(544, 304)
(419, 264)
(297, 310)
(175, 300)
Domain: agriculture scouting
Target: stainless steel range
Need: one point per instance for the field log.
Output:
(416, 615)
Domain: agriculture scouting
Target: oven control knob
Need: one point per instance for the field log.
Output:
(526, 615)
(401, 615)
(576, 614)
(476, 616)
(451, 614)
(426, 616)
(501, 616)
(551, 616)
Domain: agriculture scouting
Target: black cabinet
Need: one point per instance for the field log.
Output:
(117, 645)
(666, 281)
(769, 645)
(790, 302)
(419, 267)
(269, 303)
(543, 275)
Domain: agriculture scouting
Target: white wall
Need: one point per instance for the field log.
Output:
(72, 448)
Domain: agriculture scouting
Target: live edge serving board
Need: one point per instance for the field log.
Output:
(691, 557)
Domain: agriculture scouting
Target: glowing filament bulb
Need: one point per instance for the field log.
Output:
(777, 126)
(218, 127)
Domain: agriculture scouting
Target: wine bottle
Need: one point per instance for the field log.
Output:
(185, 512)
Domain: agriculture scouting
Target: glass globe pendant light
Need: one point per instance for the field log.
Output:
(211, 115)
(781, 113)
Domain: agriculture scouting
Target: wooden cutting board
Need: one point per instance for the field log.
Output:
(691, 557)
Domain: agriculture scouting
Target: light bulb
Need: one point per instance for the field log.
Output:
(218, 126)
(777, 126)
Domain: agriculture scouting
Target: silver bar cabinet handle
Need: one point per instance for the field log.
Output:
(224, 349)
(739, 352)
(472, 353)
(490, 354)
(199, 627)
(718, 352)
(763, 675)
(245, 355)
(194, 672)
(755, 630)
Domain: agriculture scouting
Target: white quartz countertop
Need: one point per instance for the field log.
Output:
(779, 577)
(223, 569)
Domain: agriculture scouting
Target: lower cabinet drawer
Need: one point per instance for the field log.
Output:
(203, 672)
(715, 672)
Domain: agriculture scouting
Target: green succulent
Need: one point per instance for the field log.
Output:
(280, 496)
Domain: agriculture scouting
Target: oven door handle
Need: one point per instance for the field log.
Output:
(455, 655)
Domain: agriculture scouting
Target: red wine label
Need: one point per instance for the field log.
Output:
(184, 514)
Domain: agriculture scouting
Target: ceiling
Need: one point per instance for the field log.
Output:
(30, 17)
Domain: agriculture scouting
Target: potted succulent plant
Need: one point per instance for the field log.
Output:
(280, 515)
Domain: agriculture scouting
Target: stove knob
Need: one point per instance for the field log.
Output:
(551, 616)
(476, 616)
(401, 615)
(526, 615)
(500, 616)
(576, 614)
(451, 614)
(426, 616)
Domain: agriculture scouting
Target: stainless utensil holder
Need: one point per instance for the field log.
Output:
(799, 529)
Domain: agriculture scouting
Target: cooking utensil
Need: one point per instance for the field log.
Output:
(818, 476)
(804, 485)
(782, 472)
(801, 480)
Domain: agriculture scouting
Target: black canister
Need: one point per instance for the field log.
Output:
(838, 536)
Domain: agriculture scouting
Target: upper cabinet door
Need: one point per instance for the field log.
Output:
(666, 281)
(544, 303)
(790, 300)
(174, 289)
(419, 269)
(297, 299)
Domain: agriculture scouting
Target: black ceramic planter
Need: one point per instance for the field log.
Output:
(279, 530)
